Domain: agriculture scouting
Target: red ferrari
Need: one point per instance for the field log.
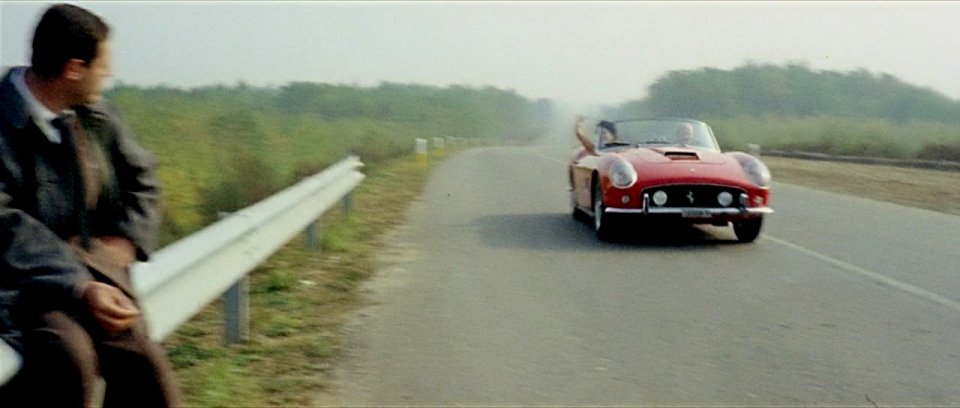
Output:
(669, 170)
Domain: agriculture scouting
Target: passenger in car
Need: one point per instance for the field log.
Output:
(608, 131)
(608, 134)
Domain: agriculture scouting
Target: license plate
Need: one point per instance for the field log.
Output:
(694, 213)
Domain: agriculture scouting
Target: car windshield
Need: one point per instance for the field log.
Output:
(674, 132)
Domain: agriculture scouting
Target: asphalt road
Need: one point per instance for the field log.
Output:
(492, 294)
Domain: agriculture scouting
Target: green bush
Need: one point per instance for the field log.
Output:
(940, 151)
(222, 148)
(833, 135)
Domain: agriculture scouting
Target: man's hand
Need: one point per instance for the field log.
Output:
(110, 307)
(584, 140)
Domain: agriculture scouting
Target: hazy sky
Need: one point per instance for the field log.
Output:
(589, 52)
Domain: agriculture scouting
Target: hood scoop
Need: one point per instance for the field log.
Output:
(681, 155)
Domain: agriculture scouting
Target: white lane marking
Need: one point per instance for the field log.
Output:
(876, 277)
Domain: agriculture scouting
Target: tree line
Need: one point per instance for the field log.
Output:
(795, 107)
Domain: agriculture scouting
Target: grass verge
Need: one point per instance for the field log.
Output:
(297, 302)
(928, 189)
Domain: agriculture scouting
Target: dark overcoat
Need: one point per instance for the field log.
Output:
(42, 205)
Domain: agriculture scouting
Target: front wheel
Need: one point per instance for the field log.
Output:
(747, 230)
(601, 221)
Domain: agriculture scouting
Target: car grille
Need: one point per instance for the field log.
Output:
(694, 196)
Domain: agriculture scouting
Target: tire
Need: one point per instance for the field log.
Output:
(747, 230)
(601, 221)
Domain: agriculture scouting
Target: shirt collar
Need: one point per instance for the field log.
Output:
(40, 114)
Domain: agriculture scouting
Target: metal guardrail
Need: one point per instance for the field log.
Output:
(942, 165)
(184, 277)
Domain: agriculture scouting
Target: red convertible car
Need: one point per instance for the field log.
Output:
(669, 170)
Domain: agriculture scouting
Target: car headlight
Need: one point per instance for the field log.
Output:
(757, 172)
(622, 174)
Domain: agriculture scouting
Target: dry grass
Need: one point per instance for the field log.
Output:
(298, 299)
(929, 189)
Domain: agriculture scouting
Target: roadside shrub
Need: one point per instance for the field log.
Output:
(940, 151)
(837, 135)
(249, 180)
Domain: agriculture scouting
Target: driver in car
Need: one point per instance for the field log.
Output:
(685, 135)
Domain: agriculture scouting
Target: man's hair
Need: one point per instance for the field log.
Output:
(612, 127)
(65, 32)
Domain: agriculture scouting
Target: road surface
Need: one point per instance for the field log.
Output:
(491, 294)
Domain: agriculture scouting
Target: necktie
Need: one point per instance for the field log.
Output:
(72, 134)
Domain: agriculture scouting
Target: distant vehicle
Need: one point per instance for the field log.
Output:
(667, 169)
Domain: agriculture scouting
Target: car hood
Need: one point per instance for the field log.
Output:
(678, 164)
(669, 154)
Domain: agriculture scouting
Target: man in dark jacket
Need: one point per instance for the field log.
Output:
(78, 204)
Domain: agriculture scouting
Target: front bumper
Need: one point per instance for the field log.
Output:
(695, 213)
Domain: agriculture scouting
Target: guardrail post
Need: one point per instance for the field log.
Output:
(753, 149)
(312, 236)
(236, 307)
(347, 204)
(421, 151)
(236, 312)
